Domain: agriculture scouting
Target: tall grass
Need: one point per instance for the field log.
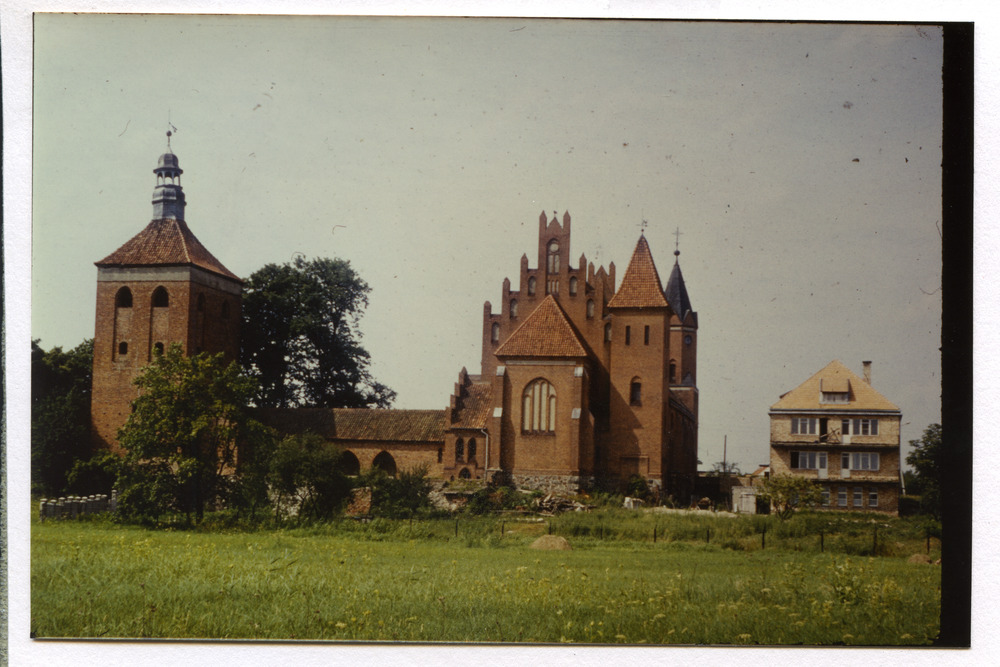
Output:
(389, 580)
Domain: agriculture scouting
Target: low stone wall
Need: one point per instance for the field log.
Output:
(71, 507)
(565, 484)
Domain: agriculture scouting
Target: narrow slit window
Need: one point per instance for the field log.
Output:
(628, 335)
(645, 336)
(572, 286)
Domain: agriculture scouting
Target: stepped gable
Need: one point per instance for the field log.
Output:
(473, 405)
(835, 377)
(546, 333)
(641, 285)
(166, 242)
(359, 423)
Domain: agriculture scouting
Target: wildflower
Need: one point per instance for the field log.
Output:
(341, 624)
(621, 637)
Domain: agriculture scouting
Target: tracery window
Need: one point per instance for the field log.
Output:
(539, 413)
(552, 266)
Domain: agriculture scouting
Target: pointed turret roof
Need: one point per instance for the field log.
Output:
(166, 242)
(677, 294)
(641, 285)
(835, 377)
(546, 333)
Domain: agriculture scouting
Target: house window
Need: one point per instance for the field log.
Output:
(842, 496)
(590, 308)
(539, 401)
(808, 461)
(859, 461)
(825, 496)
(673, 372)
(645, 336)
(628, 335)
(531, 285)
(123, 348)
(803, 426)
(859, 426)
(553, 259)
(123, 299)
(635, 392)
(572, 286)
(513, 308)
(872, 497)
(160, 297)
(459, 450)
(834, 397)
(858, 496)
(607, 332)
(472, 449)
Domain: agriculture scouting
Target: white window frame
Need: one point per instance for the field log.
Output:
(804, 425)
(538, 403)
(859, 426)
(872, 496)
(841, 496)
(825, 496)
(811, 461)
(834, 397)
(859, 496)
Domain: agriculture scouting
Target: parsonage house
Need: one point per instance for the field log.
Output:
(838, 431)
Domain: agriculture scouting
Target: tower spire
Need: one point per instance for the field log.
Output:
(168, 196)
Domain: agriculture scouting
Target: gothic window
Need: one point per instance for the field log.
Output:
(607, 332)
(201, 303)
(539, 401)
(472, 449)
(465, 474)
(635, 392)
(495, 334)
(590, 308)
(160, 298)
(673, 372)
(122, 348)
(572, 286)
(531, 285)
(123, 299)
(225, 310)
(553, 257)
(513, 308)
(459, 450)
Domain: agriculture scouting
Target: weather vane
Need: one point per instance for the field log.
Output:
(677, 246)
(644, 224)
(169, 128)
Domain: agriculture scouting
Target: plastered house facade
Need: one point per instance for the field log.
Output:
(838, 431)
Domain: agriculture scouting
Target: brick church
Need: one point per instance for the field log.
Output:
(580, 386)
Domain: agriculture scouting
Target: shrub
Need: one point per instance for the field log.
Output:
(94, 476)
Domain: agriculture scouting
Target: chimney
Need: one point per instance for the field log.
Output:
(867, 365)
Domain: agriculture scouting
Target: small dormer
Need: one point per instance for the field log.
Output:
(834, 390)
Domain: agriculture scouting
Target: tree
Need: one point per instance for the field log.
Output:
(789, 492)
(60, 413)
(305, 477)
(182, 438)
(404, 495)
(927, 459)
(721, 468)
(301, 336)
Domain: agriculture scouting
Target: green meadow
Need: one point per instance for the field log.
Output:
(705, 580)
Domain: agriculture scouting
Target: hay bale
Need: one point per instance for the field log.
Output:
(919, 559)
(550, 543)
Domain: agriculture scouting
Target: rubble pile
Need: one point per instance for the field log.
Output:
(552, 504)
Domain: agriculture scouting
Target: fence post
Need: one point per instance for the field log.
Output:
(654, 534)
(875, 541)
(41, 509)
(928, 541)
(707, 531)
(763, 538)
(503, 528)
(821, 541)
(550, 527)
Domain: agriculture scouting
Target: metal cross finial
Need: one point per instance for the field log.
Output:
(169, 128)
(643, 225)
(677, 246)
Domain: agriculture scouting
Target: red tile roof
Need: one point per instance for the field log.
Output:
(166, 242)
(359, 423)
(835, 376)
(546, 333)
(640, 287)
(474, 406)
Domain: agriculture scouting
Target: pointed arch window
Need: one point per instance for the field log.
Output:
(472, 449)
(459, 450)
(513, 308)
(532, 283)
(607, 332)
(539, 407)
(160, 297)
(635, 392)
(552, 263)
(158, 348)
(673, 371)
(495, 333)
(590, 308)
(123, 298)
(122, 349)
(573, 282)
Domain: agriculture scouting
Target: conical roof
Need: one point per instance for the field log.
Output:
(166, 242)
(641, 285)
(546, 333)
(677, 294)
(834, 377)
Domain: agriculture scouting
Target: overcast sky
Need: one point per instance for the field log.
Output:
(801, 163)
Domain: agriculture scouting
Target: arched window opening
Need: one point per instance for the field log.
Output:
(465, 474)
(513, 308)
(495, 335)
(590, 308)
(635, 392)
(225, 310)
(673, 372)
(472, 449)
(628, 335)
(158, 348)
(123, 299)
(539, 405)
(552, 266)
(531, 285)
(201, 303)
(572, 286)
(160, 298)
(385, 463)
(607, 332)
(459, 450)
(122, 348)
(349, 464)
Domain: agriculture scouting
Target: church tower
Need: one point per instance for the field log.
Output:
(162, 287)
(683, 369)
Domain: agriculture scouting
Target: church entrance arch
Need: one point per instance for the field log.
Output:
(349, 464)
(385, 463)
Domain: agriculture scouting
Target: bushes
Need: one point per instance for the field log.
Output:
(304, 478)
(406, 495)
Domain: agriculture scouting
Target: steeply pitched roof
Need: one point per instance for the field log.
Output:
(641, 285)
(677, 294)
(835, 376)
(546, 333)
(166, 242)
(359, 423)
(474, 406)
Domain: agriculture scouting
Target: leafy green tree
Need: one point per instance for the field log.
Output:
(301, 336)
(94, 476)
(60, 413)
(183, 437)
(305, 478)
(927, 460)
(407, 494)
(786, 493)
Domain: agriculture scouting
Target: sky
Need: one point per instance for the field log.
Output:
(800, 163)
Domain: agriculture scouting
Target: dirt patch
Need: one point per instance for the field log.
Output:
(920, 559)
(550, 543)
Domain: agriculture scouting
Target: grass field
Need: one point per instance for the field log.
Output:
(388, 581)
